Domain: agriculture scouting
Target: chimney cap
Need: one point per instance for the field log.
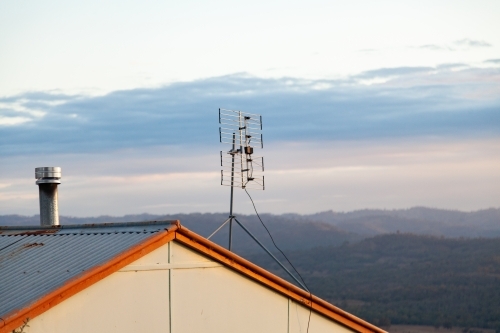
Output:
(48, 175)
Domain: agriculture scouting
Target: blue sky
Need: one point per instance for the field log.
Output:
(364, 106)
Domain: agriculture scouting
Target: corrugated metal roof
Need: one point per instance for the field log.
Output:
(36, 260)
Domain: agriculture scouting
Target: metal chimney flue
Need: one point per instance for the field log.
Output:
(47, 180)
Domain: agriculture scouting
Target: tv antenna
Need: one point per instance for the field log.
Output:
(243, 132)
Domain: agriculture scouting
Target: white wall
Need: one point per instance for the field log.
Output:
(176, 290)
(122, 302)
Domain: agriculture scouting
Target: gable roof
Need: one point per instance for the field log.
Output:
(42, 266)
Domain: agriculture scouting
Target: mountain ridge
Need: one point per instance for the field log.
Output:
(363, 223)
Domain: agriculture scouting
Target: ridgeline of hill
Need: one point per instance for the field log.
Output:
(363, 223)
(417, 220)
(417, 266)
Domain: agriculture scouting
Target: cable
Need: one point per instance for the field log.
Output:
(276, 246)
(272, 239)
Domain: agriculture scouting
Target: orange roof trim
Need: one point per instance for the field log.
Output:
(183, 235)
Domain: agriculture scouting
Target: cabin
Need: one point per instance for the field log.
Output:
(147, 277)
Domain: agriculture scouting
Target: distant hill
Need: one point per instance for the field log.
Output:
(417, 220)
(289, 234)
(294, 231)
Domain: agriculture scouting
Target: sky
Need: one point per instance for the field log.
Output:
(385, 105)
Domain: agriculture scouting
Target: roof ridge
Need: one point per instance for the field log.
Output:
(28, 233)
(88, 225)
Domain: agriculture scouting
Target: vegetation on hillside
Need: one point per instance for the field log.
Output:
(407, 279)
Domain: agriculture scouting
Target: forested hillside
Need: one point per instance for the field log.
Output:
(407, 279)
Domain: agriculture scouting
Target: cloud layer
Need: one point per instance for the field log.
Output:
(450, 100)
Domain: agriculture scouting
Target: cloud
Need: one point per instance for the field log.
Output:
(414, 101)
(457, 45)
(434, 47)
(13, 120)
(493, 61)
(391, 72)
(472, 43)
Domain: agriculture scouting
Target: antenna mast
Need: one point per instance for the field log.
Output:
(243, 131)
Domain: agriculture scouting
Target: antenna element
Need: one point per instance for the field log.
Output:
(243, 131)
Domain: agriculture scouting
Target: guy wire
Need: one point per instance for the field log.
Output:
(276, 246)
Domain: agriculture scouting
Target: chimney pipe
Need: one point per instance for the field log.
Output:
(47, 180)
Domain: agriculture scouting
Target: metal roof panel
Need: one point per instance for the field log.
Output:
(37, 260)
